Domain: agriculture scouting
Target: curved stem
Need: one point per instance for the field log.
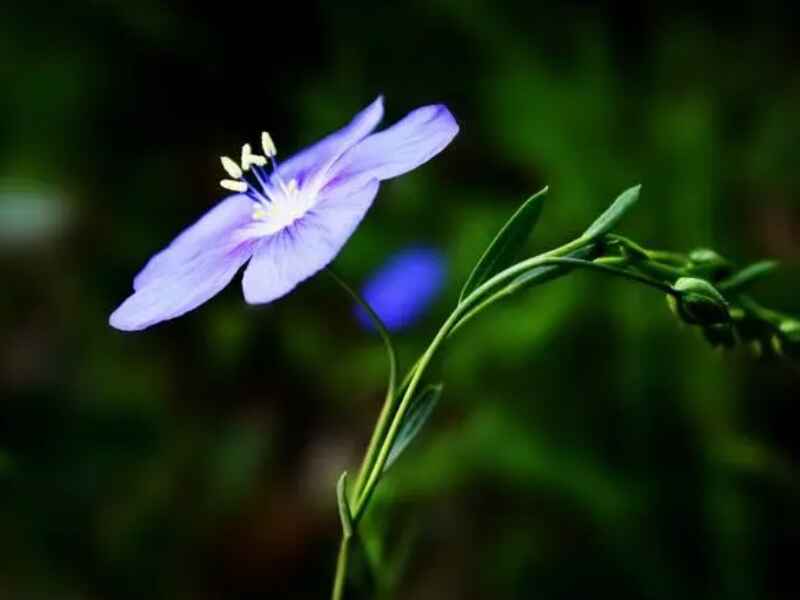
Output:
(389, 402)
(377, 468)
(600, 264)
(377, 435)
(380, 462)
(585, 264)
(383, 438)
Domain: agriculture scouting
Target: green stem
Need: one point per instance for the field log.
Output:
(389, 401)
(392, 414)
(773, 317)
(675, 259)
(500, 278)
(600, 264)
(639, 278)
(340, 579)
(380, 462)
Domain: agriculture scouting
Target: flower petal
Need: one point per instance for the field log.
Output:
(182, 288)
(211, 229)
(294, 254)
(412, 141)
(314, 159)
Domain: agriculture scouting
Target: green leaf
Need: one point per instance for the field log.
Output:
(608, 220)
(508, 242)
(531, 278)
(344, 507)
(418, 413)
(747, 276)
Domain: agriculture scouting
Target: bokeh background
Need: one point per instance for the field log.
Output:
(586, 443)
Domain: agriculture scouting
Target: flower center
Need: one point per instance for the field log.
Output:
(276, 203)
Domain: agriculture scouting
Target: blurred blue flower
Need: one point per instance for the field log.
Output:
(404, 287)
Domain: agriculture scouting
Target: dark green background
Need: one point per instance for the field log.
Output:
(586, 443)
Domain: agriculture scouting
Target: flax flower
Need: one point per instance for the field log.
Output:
(289, 221)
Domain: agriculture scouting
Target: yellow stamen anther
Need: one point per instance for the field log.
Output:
(234, 186)
(249, 159)
(268, 145)
(291, 187)
(259, 213)
(231, 168)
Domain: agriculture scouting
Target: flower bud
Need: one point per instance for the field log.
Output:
(707, 263)
(788, 338)
(790, 330)
(699, 302)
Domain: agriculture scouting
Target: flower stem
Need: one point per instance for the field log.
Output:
(389, 402)
(392, 414)
(340, 579)
(363, 499)
(388, 441)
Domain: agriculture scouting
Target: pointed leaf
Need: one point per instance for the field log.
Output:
(531, 278)
(508, 242)
(608, 220)
(747, 276)
(418, 413)
(344, 507)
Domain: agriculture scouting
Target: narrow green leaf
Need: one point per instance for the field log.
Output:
(418, 413)
(747, 276)
(531, 278)
(608, 220)
(344, 507)
(506, 244)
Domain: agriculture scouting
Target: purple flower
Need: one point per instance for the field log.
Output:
(290, 222)
(404, 287)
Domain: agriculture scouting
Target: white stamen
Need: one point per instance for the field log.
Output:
(249, 159)
(234, 186)
(231, 168)
(291, 187)
(268, 145)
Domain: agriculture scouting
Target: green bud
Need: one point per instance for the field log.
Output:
(777, 345)
(789, 337)
(703, 256)
(790, 330)
(699, 302)
(707, 263)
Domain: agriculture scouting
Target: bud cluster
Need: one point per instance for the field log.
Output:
(710, 291)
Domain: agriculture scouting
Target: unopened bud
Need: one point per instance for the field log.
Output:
(699, 302)
(707, 263)
(789, 337)
(777, 345)
(790, 330)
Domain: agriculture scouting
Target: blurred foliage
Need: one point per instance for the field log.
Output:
(583, 443)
